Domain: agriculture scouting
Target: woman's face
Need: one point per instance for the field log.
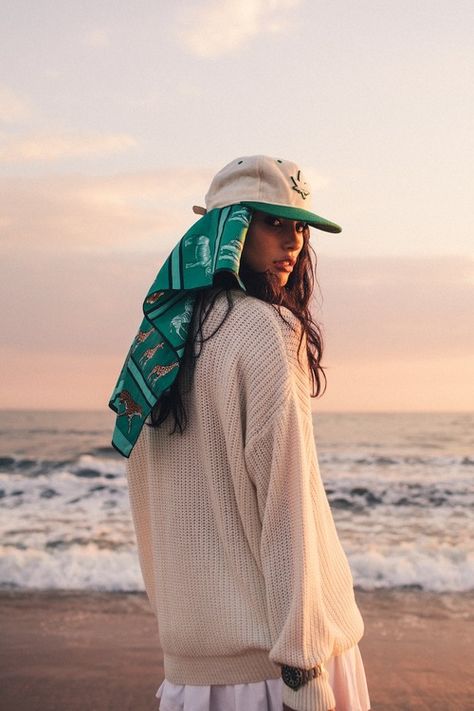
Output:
(272, 241)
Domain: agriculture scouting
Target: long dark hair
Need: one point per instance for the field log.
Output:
(295, 295)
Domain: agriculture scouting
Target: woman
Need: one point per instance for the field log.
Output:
(238, 549)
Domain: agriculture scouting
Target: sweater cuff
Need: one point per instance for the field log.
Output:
(316, 695)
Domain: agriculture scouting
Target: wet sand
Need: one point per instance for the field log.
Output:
(65, 651)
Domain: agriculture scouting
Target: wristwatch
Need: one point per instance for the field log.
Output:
(295, 678)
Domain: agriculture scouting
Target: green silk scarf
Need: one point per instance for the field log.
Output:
(213, 244)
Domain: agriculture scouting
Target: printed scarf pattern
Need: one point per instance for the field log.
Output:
(213, 244)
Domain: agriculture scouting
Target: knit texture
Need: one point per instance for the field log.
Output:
(237, 545)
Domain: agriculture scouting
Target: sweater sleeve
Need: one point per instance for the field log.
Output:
(137, 478)
(282, 463)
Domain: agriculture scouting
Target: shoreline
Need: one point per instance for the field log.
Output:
(100, 650)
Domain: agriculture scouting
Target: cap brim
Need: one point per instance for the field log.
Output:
(295, 213)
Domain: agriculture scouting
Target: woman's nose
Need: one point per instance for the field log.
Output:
(292, 236)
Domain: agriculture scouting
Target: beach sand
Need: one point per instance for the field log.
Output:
(65, 651)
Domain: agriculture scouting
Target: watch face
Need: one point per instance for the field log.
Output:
(293, 677)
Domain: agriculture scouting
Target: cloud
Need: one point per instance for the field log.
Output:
(13, 108)
(396, 307)
(69, 304)
(97, 213)
(97, 38)
(398, 331)
(217, 27)
(87, 302)
(57, 147)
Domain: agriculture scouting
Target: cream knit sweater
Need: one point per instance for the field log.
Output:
(237, 545)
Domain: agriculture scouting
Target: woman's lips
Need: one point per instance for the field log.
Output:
(284, 266)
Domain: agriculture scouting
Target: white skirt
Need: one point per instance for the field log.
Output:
(346, 677)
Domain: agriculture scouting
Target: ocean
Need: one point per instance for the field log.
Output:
(400, 486)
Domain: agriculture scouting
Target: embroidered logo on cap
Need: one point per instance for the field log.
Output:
(300, 186)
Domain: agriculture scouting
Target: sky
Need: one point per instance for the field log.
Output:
(115, 116)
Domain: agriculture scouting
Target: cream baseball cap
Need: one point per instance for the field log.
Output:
(277, 187)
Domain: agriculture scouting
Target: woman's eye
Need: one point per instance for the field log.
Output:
(273, 221)
(276, 222)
